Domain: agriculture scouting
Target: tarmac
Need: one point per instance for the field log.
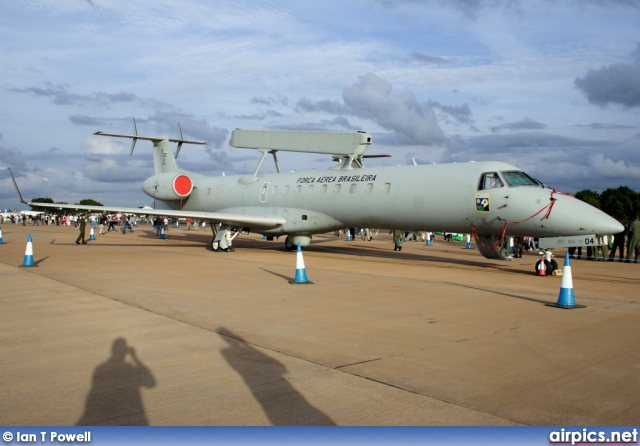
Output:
(135, 330)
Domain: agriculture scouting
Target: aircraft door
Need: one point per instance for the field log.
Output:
(263, 192)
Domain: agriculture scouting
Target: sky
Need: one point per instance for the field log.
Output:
(551, 86)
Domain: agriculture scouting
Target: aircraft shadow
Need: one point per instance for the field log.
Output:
(264, 376)
(115, 398)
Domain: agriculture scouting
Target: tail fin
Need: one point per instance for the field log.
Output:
(163, 158)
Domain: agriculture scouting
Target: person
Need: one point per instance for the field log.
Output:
(83, 227)
(366, 234)
(531, 244)
(397, 239)
(103, 221)
(123, 222)
(634, 240)
(518, 247)
(618, 243)
(602, 244)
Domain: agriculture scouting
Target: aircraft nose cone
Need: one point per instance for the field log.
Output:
(607, 225)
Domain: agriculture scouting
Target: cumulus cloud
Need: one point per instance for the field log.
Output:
(371, 98)
(612, 169)
(613, 84)
(412, 122)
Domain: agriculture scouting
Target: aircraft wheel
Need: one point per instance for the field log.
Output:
(287, 244)
(215, 246)
(548, 265)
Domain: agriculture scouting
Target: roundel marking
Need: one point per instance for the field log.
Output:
(183, 185)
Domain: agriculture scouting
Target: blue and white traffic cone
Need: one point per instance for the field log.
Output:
(0, 235)
(301, 272)
(92, 235)
(566, 298)
(28, 255)
(162, 236)
(511, 248)
(468, 245)
(428, 242)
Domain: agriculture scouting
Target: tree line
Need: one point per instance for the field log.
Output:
(621, 203)
(87, 202)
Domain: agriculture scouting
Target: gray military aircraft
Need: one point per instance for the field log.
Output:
(491, 200)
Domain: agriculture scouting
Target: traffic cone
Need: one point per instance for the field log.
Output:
(301, 272)
(92, 235)
(162, 236)
(0, 235)
(566, 298)
(468, 245)
(511, 248)
(28, 255)
(542, 267)
(428, 243)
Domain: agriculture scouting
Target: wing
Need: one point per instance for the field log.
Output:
(250, 221)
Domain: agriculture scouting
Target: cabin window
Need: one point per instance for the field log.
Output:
(490, 180)
(386, 187)
(285, 190)
(274, 190)
(323, 189)
(298, 189)
(310, 189)
(519, 178)
(369, 188)
(336, 188)
(353, 188)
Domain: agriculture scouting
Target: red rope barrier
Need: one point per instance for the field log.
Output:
(504, 230)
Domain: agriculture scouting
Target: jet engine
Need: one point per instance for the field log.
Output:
(168, 186)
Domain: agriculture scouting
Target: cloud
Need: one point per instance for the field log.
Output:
(613, 84)
(15, 159)
(526, 141)
(611, 169)
(60, 95)
(523, 124)
(412, 122)
(605, 126)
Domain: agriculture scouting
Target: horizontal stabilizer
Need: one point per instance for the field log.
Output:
(150, 138)
(155, 139)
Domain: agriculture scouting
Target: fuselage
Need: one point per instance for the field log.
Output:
(480, 197)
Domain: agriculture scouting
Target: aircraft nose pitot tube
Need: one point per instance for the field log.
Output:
(168, 186)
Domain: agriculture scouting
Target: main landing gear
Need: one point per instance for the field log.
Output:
(223, 236)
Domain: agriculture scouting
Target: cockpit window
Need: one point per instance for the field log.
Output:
(519, 178)
(490, 180)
